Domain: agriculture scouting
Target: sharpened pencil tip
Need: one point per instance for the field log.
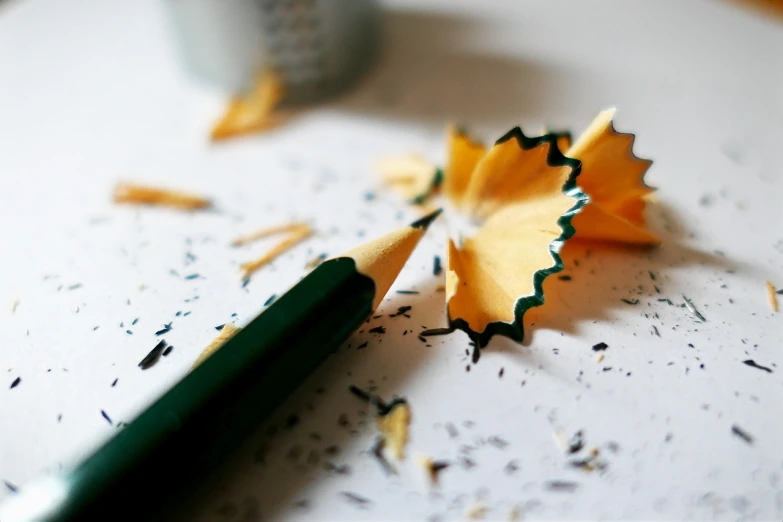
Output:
(424, 223)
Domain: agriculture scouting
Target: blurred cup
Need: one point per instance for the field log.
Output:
(317, 47)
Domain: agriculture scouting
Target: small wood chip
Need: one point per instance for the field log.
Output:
(253, 111)
(772, 297)
(145, 195)
(14, 305)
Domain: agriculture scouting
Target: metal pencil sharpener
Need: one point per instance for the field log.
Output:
(316, 47)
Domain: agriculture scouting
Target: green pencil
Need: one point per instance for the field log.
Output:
(156, 462)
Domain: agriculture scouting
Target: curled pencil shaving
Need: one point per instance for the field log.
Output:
(227, 332)
(253, 111)
(297, 233)
(146, 195)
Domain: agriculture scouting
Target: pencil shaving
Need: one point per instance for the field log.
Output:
(296, 235)
(252, 112)
(269, 231)
(772, 297)
(146, 195)
(394, 428)
(228, 331)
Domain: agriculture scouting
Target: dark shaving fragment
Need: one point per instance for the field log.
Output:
(630, 301)
(167, 351)
(600, 347)
(667, 301)
(377, 451)
(152, 357)
(378, 330)
(192, 276)
(689, 305)
(11, 487)
(363, 345)
(652, 275)
(114, 383)
(381, 406)
(220, 327)
(423, 339)
(752, 364)
(292, 421)
(564, 277)
(128, 332)
(437, 331)
(501, 372)
(15, 383)
(408, 292)
(106, 416)
(74, 287)
(356, 500)
(452, 430)
(166, 329)
(562, 486)
(744, 435)
(497, 442)
(186, 314)
(511, 468)
(436, 266)
(576, 443)
(779, 292)
(655, 330)
(403, 310)
(466, 463)
(133, 323)
(270, 300)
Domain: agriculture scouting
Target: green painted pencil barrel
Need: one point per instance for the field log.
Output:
(149, 468)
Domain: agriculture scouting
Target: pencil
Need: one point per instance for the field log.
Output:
(160, 459)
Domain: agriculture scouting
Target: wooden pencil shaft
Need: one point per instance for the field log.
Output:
(161, 457)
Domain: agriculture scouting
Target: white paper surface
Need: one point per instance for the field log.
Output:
(91, 93)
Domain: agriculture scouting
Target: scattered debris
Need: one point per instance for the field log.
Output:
(393, 421)
(600, 347)
(14, 305)
(437, 268)
(402, 310)
(15, 383)
(106, 416)
(630, 301)
(431, 467)
(477, 511)
(151, 358)
(754, 364)
(599, 358)
(436, 331)
(744, 435)
(271, 299)
(144, 195)
(562, 486)
(356, 500)
(692, 309)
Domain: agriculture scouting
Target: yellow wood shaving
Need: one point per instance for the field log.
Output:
(14, 305)
(228, 331)
(145, 195)
(269, 231)
(599, 357)
(394, 429)
(295, 236)
(251, 112)
(772, 297)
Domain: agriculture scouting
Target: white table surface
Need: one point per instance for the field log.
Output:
(92, 92)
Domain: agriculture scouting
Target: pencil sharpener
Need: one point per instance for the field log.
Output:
(317, 47)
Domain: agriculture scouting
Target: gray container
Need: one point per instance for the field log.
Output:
(318, 47)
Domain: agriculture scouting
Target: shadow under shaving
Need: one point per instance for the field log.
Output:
(599, 276)
(430, 72)
(312, 434)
